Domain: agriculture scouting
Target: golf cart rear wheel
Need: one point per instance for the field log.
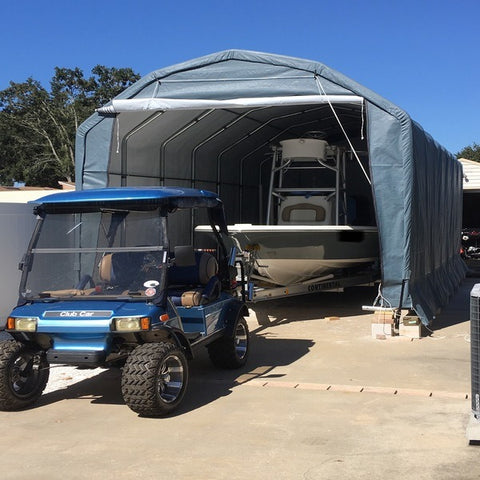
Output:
(155, 378)
(231, 351)
(24, 373)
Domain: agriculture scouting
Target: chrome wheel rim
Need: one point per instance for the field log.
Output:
(241, 340)
(170, 379)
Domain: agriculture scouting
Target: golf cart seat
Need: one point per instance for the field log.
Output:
(193, 278)
(120, 268)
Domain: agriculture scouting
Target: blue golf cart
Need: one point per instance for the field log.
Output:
(102, 285)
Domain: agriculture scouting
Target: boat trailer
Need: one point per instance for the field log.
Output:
(258, 288)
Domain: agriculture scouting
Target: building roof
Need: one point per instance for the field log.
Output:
(22, 194)
(471, 174)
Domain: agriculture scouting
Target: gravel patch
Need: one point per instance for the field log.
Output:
(63, 376)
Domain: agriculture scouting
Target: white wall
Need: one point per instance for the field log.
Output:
(16, 226)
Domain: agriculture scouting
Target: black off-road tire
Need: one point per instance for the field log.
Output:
(155, 378)
(231, 351)
(24, 374)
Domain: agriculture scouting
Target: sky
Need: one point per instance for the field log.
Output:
(422, 55)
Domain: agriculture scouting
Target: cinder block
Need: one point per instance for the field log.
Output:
(379, 329)
(411, 331)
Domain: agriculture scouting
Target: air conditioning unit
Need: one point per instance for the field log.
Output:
(473, 429)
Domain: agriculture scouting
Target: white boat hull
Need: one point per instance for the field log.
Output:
(291, 254)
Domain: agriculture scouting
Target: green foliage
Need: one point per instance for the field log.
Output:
(37, 126)
(472, 152)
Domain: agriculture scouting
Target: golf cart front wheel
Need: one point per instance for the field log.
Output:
(155, 378)
(24, 373)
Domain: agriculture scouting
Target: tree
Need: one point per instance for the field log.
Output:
(37, 126)
(471, 152)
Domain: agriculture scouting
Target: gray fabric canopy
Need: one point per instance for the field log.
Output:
(210, 122)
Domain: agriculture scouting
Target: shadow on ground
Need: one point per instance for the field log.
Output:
(314, 306)
(458, 309)
(207, 383)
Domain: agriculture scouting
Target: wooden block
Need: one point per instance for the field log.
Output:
(385, 316)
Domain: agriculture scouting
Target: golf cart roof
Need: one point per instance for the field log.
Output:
(134, 198)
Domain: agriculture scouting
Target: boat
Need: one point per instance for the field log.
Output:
(290, 254)
(310, 230)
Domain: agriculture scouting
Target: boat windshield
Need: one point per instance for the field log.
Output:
(105, 254)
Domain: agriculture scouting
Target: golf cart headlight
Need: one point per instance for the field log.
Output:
(131, 324)
(22, 324)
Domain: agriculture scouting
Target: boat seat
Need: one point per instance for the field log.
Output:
(192, 278)
(314, 210)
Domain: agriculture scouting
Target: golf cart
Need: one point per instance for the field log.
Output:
(102, 286)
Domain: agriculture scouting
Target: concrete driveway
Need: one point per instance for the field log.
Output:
(318, 399)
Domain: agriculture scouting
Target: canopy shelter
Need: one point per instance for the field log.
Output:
(211, 122)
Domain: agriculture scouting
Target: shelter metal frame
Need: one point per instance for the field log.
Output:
(184, 129)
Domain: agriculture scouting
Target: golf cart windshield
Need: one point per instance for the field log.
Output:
(104, 253)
